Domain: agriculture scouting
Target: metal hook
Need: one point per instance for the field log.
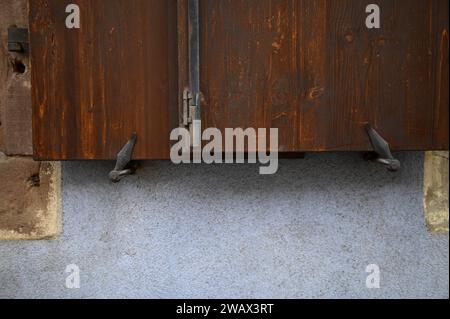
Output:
(381, 148)
(123, 161)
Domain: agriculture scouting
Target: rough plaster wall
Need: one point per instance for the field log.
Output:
(224, 231)
(15, 88)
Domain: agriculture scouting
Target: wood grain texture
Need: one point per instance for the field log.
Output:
(183, 54)
(441, 76)
(313, 69)
(94, 87)
(308, 67)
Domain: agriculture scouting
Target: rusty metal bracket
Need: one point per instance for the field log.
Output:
(18, 39)
(382, 150)
(123, 167)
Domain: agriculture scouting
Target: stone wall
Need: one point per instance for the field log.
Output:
(15, 85)
(29, 192)
(436, 191)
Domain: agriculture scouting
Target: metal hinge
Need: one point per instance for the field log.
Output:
(191, 116)
(191, 104)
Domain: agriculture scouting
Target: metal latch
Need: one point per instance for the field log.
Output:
(17, 39)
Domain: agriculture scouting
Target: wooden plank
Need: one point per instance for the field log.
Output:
(93, 87)
(314, 70)
(247, 66)
(441, 75)
(380, 76)
(384, 76)
(310, 68)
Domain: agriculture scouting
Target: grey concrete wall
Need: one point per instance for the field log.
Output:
(225, 231)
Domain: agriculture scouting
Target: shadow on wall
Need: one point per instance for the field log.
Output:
(316, 172)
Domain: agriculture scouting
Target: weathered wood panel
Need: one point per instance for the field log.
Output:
(308, 67)
(94, 86)
(441, 76)
(314, 70)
